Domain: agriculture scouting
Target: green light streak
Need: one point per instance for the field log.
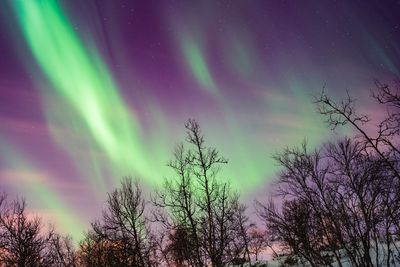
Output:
(198, 65)
(249, 164)
(82, 82)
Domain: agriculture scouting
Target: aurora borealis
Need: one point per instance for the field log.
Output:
(92, 91)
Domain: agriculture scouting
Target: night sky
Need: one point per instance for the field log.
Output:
(91, 91)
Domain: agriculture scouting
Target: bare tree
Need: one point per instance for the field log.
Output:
(337, 202)
(21, 237)
(242, 239)
(381, 144)
(384, 142)
(124, 229)
(61, 251)
(177, 199)
(258, 241)
(198, 207)
(25, 242)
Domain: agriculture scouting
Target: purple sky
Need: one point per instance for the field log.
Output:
(245, 70)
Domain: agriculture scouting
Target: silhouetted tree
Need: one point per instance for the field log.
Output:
(123, 236)
(342, 200)
(334, 205)
(61, 251)
(258, 241)
(25, 242)
(381, 144)
(199, 209)
(384, 141)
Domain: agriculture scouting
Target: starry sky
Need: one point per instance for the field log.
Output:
(91, 91)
